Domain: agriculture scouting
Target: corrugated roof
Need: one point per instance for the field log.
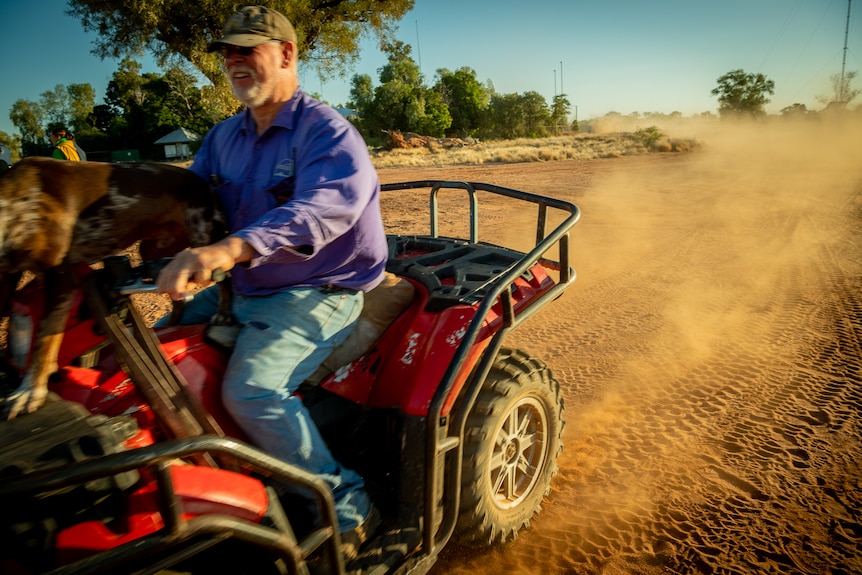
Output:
(178, 136)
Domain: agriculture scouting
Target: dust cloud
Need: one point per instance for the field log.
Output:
(710, 357)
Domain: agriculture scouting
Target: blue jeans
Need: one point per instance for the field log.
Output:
(284, 338)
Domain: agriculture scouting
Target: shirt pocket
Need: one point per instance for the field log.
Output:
(282, 190)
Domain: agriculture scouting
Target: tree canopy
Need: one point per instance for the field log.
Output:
(67, 106)
(743, 94)
(139, 109)
(401, 101)
(466, 98)
(329, 31)
(518, 116)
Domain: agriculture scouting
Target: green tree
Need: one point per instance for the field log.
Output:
(537, 117)
(361, 101)
(69, 107)
(742, 94)
(393, 104)
(81, 102)
(436, 117)
(400, 102)
(29, 118)
(125, 90)
(560, 111)
(466, 98)
(361, 93)
(125, 98)
(518, 116)
(13, 142)
(505, 117)
(186, 101)
(329, 32)
(103, 117)
(55, 105)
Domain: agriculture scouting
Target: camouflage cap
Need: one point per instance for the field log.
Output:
(253, 25)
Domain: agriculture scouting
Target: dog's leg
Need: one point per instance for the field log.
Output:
(176, 313)
(33, 390)
(224, 313)
(8, 284)
(223, 328)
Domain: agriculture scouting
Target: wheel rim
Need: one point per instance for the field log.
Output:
(519, 453)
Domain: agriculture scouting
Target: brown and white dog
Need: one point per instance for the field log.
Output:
(55, 215)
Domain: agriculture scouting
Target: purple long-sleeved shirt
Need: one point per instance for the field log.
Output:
(304, 195)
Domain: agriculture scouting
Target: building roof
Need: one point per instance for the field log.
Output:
(178, 136)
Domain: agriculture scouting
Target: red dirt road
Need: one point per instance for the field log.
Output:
(710, 356)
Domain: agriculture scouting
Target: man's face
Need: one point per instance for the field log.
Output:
(253, 72)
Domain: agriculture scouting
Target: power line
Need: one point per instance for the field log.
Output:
(805, 47)
(781, 32)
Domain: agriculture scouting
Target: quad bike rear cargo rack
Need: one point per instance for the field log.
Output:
(448, 449)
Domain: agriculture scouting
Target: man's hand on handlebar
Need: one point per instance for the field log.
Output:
(196, 267)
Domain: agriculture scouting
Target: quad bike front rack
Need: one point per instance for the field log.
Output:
(184, 537)
(191, 434)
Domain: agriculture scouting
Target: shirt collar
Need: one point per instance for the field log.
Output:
(285, 118)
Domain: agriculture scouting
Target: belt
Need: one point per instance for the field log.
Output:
(332, 288)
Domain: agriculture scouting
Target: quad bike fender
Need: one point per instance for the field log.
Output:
(405, 367)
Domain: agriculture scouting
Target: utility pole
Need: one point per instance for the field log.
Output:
(555, 82)
(843, 95)
(561, 77)
(418, 51)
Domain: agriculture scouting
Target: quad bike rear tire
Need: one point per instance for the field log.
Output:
(513, 438)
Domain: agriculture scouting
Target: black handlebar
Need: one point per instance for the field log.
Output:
(120, 277)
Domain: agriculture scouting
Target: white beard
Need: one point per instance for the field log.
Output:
(255, 95)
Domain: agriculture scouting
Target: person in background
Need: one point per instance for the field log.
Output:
(64, 149)
(81, 153)
(302, 202)
(5, 158)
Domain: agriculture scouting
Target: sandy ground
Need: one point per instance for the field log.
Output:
(710, 356)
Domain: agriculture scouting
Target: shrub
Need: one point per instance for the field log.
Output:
(648, 137)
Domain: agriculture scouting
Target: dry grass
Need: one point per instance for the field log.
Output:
(572, 147)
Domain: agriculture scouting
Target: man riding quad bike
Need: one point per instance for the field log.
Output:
(134, 467)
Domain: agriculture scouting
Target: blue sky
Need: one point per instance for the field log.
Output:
(624, 55)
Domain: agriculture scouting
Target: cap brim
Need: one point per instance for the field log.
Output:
(244, 40)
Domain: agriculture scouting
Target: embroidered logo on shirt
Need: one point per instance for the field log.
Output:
(284, 169)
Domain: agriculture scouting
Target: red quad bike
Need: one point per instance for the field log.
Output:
(134, 467)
